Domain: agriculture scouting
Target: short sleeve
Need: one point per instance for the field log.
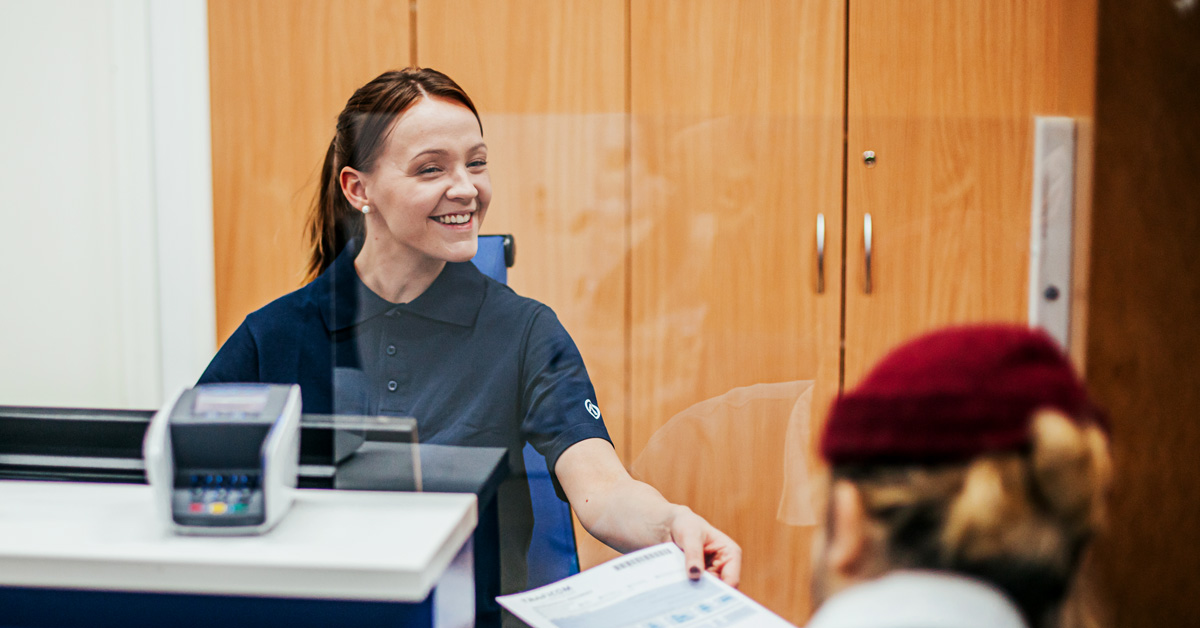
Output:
(236, 361)
(558, 399)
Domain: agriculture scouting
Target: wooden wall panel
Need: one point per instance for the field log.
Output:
(549, 81)
(945, 94)
(736, 119)
(1143, 362)
(280, 72)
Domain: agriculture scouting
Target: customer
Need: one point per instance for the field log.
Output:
(968, 474)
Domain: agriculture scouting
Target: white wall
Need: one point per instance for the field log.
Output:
(89, 212)
(183, 189)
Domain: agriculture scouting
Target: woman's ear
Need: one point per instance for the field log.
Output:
(353, 186)
(847, 536)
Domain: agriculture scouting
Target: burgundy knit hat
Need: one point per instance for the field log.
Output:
(952, 395)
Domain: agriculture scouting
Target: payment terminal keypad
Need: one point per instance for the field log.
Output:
(219, 499)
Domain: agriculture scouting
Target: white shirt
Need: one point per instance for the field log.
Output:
(919, 599)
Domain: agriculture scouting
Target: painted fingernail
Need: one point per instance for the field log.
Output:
(694, 572)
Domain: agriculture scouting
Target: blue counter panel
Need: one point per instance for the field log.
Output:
(56, 608)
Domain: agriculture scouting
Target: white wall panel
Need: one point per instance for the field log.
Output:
(82, 311)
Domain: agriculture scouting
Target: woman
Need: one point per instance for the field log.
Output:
(969, 475)
(396, 320)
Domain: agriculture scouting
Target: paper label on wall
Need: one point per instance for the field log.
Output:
(1052, 226)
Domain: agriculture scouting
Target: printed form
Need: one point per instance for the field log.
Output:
(648, 588)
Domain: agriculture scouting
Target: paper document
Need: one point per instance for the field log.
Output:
(648, 588)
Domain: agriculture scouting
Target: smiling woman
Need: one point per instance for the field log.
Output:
(429, 191)
(409, 144)
(397, 321)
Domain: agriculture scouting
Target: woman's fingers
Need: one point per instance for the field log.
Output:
(728, 562)
(691, 541)
(705, 547)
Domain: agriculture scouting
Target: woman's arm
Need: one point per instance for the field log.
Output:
(628, 514)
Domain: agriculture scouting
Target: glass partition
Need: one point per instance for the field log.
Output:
(368, 452)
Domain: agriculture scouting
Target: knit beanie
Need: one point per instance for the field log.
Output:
(954, 394)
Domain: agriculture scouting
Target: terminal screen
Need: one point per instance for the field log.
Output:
(227, 400)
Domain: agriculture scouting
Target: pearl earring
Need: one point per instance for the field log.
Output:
(366, 209)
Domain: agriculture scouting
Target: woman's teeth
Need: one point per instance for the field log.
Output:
(453, 219)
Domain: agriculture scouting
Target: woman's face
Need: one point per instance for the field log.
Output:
(430, 189)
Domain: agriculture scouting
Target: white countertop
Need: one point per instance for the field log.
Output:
(353, 545)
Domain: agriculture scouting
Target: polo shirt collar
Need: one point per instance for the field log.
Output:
(454, 297)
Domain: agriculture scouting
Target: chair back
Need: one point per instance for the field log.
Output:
(552, 555)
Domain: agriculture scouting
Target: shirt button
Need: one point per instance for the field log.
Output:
(392, 385)
(391, 350)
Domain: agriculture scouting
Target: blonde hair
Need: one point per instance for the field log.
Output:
(1019, 520)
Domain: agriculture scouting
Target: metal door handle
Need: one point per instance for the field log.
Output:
(867, 243)
(820, 253)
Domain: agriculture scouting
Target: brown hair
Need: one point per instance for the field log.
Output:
(1020, 521)
(362, 129)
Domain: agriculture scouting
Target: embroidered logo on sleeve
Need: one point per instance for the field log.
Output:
(592, 409)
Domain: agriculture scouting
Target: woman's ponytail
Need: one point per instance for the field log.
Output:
(326, 213)
(1072, 471)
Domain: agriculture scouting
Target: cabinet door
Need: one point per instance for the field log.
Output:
(549, 81)
(945, 95)
(736, 127)
(552, 102)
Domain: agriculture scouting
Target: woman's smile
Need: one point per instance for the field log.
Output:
(457, 221)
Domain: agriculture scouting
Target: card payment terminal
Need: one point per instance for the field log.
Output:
(223, 458)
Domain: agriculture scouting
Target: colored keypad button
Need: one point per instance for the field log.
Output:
(217, 508)
(196, 507)
(239, 507)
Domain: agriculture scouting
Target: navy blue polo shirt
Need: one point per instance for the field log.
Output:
(474, 363)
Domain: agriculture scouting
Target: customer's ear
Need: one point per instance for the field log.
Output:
(847, 536)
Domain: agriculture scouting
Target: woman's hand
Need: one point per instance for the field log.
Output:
(705, 547)
(627, 514)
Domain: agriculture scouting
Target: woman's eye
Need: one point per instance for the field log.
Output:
(478, 163)
(429, 170)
